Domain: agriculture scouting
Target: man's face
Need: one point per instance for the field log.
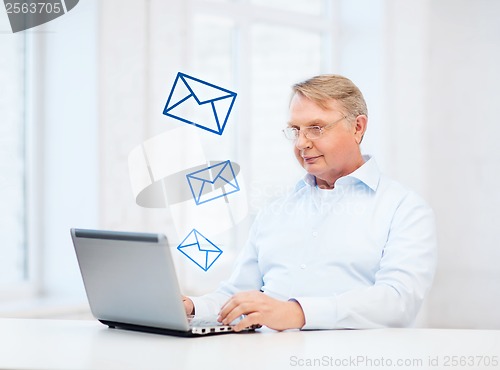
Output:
(336, 153)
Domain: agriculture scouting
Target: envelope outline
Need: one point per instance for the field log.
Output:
(220, 180)
(211, 251)
(226, 94)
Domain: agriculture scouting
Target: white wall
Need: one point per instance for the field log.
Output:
(463, 96)
(441, 132)
(66, 162)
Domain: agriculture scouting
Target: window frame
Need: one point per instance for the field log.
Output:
(245, 15)
(30, 285)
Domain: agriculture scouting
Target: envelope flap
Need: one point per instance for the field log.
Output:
(227, 173)
(189, 240)
(201, 176)
(220, 168)
(210, 173)
(205, 92)
(204, 244)
(202, 252)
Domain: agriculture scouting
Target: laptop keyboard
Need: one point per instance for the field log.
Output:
(204, 321)
(207, 325)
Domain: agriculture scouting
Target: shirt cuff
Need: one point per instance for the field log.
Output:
(201, 307)
(319, 313)
(208, 305)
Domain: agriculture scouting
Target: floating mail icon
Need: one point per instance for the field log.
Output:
(199, 103)
(213, 182)
(200, 250)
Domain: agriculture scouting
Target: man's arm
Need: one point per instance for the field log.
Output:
(405, 276)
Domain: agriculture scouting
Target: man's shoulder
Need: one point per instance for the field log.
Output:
(400, 193)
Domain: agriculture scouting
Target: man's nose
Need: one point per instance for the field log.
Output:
(302, 141)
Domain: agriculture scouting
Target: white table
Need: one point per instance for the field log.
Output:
(70, 344)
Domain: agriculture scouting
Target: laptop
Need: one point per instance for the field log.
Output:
(131, 283)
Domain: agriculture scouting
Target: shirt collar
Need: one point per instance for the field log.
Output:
(368, 174)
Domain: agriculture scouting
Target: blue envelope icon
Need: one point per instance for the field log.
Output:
(200, 250)
(199, 103)
(213, 182)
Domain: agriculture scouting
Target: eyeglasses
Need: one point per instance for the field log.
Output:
(311, 132)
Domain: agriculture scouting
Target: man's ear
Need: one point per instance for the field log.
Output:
(359, 127)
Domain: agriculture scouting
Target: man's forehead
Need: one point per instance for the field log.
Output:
(324, 104)
(306, 112)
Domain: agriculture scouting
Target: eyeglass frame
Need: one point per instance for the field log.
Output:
(321, 129)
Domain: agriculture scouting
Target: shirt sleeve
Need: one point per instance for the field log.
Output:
(406, 272)
(245, 276)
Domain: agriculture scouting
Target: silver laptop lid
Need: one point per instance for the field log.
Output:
(130, 278)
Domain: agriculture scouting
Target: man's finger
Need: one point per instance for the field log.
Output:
(247, 322)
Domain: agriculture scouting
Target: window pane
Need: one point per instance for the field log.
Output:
(12, 196)
(213, 50)
(281, 56)
(314, 7)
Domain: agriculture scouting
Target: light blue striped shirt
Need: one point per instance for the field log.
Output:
(362, 255)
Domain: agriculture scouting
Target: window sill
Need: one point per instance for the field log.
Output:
(46, 308)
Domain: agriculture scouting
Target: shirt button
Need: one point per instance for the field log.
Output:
(303, 266)
(315, 234)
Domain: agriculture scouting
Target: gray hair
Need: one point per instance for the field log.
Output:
(322, 88)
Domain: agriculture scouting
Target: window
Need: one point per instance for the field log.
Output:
(14, 261)
(260, 47)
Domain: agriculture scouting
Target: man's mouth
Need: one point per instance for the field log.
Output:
(310, 159)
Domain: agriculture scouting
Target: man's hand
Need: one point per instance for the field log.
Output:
(188, 305)
(262, 310)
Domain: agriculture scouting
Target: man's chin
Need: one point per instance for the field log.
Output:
(311, 168)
